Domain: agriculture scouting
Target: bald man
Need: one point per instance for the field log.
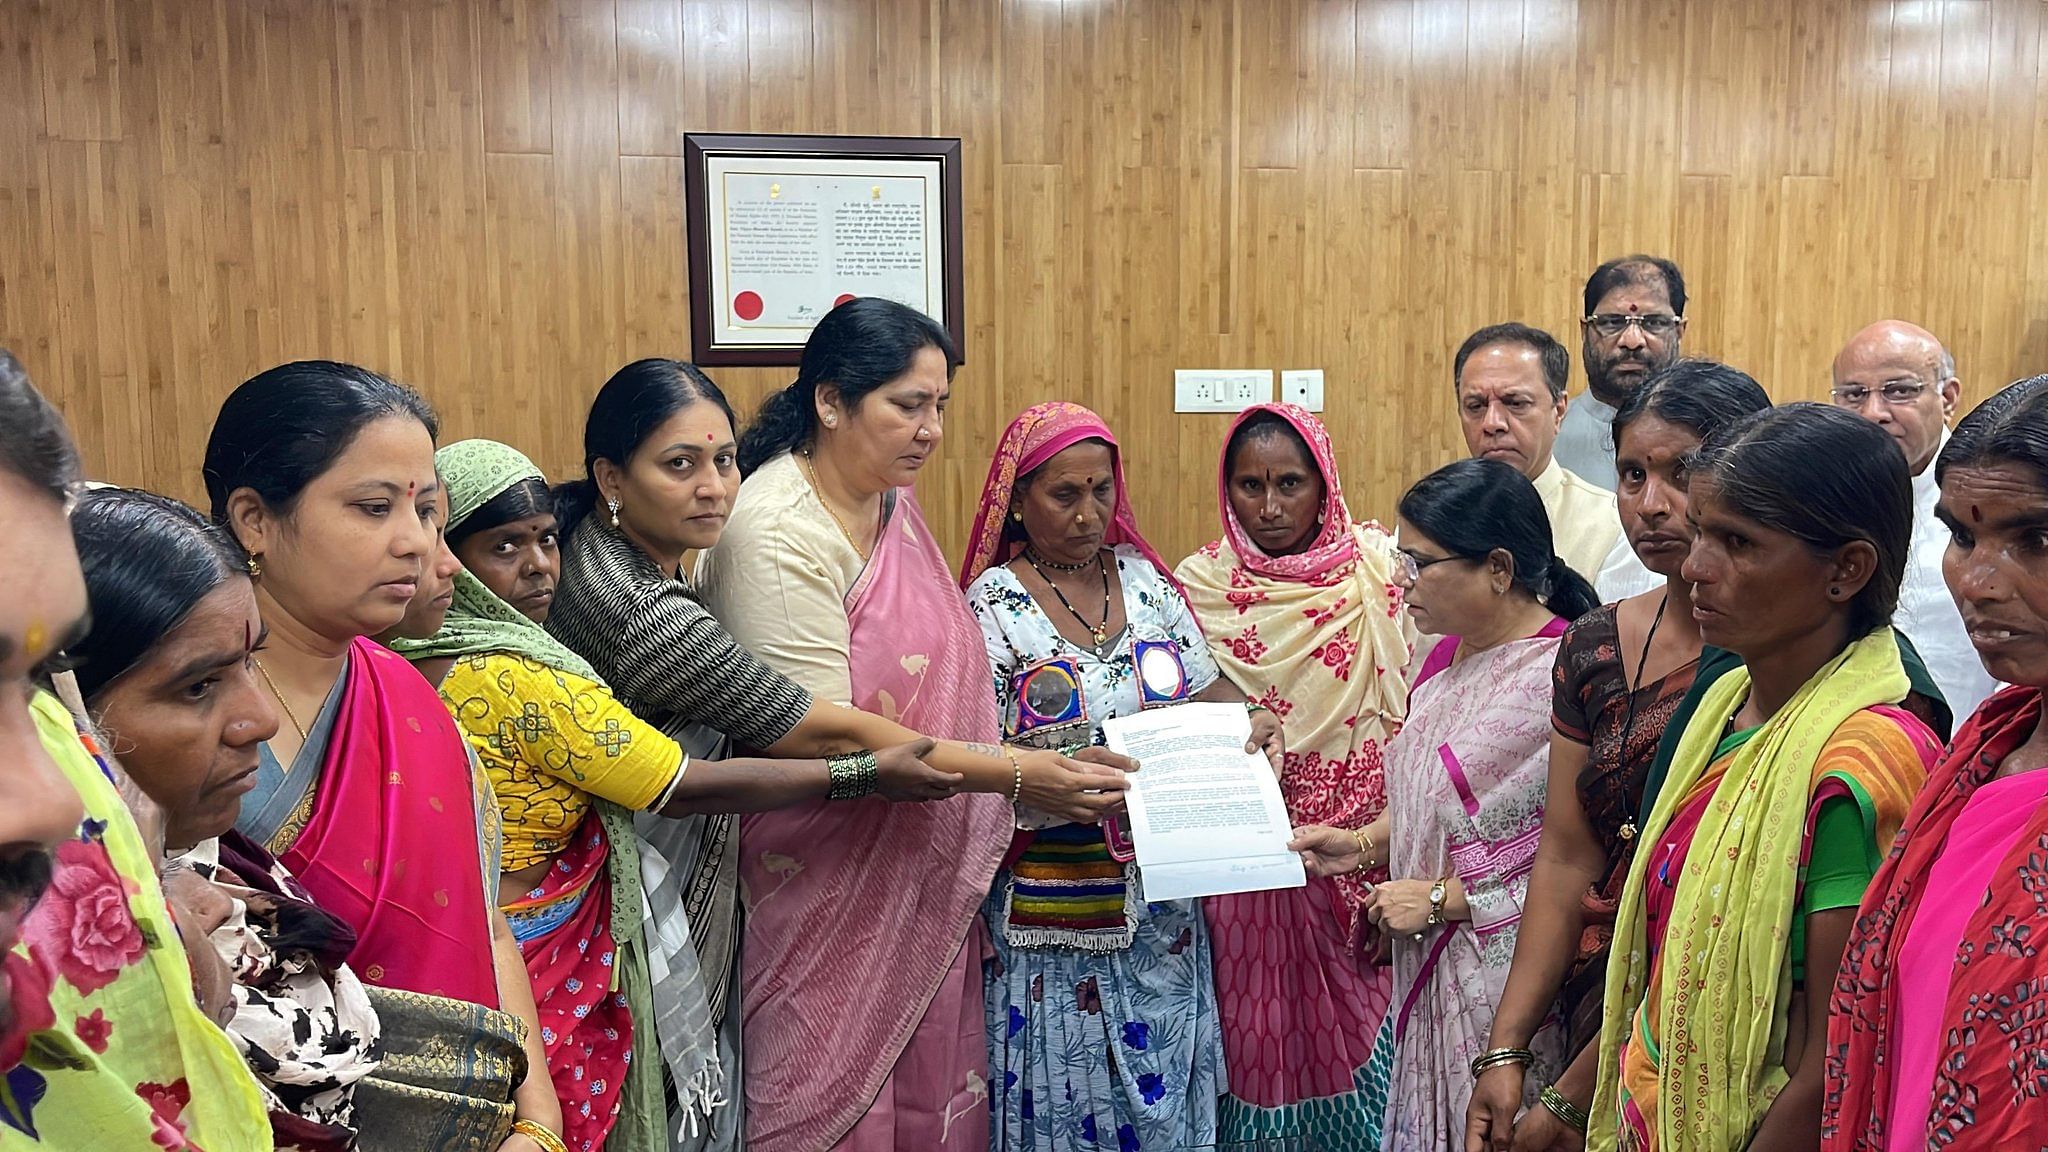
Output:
(1898, 376)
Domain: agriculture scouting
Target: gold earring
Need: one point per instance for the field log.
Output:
(1017, 516)
(255, 564)
(831, 421)
(614, 505)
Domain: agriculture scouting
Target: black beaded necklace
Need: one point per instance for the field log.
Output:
(1034, 558)
(1631, 686)
(1099, 631)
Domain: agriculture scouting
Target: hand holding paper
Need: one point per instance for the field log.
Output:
(1206, 815)
(1326, 851)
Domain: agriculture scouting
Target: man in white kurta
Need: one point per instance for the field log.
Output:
(1899, 377)
(1510, 380)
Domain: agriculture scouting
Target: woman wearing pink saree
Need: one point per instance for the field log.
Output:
(1467, 779)
(324, 473)
(861, 978)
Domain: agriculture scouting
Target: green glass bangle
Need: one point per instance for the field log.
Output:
(852, 776)
(1574, 1117)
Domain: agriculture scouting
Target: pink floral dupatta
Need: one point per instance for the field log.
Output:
(390, 844)
(859, 910)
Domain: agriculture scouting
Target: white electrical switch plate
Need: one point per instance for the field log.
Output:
(1221, 389)
(1303, 386)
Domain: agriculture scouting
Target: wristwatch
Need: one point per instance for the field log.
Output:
(1438, 893)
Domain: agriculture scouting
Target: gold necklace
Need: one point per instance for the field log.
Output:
(281, 701)
(811, 473)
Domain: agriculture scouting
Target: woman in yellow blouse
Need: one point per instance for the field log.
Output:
(559, 748)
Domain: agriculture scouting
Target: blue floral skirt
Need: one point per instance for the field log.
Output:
(1105, 1050)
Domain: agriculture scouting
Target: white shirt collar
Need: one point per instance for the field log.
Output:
(1925, 490)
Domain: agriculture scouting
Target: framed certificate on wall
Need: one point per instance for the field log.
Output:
(784, 228)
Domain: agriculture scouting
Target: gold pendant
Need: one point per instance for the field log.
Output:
(1628, 830)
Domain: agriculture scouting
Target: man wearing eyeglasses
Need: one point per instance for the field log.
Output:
(1510, 380)
(1898, 376)
(1632, 326)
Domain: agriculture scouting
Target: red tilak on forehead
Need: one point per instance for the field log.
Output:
(410, 487)
(1976, 517)
(1635, 308)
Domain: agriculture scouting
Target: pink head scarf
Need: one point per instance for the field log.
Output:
(1040, 433)
(1335, 545)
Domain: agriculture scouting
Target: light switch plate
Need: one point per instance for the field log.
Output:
(1303, 386)
(1221, 389)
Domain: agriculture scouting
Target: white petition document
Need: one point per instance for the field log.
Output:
(1206, 816)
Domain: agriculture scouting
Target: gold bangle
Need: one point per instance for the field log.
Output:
(1365, 845)
(1495, 1057)
(1016, 787)
(540, 1134)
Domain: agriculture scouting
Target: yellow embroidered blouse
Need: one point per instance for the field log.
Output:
(549, 741)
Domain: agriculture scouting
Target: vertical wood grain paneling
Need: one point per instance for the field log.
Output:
(484, 197)
(516, 53)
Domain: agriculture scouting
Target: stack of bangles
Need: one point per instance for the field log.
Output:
(1495, 1057)
(1251, 706)
(1574, 1117)
(540, 1134)
(853, 775)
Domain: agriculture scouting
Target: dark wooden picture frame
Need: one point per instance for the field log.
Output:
(699, 147)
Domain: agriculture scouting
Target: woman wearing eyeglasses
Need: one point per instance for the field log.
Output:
(1466, 781)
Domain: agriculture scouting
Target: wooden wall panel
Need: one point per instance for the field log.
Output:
(483, 197)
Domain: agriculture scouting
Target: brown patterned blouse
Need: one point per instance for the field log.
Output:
(1592, 705)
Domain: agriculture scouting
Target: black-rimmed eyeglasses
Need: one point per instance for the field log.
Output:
(1610, 326)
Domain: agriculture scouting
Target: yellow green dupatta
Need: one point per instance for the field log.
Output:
(131, 1063)
(1724, 986)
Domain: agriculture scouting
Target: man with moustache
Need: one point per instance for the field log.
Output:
(1510, 380)
(102, 1044)
(1632, 327)
(1899, 377)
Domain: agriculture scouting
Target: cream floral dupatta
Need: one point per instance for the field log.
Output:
(1320, 638)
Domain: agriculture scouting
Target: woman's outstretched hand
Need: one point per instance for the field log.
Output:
(1082, 789)
(902, 775)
